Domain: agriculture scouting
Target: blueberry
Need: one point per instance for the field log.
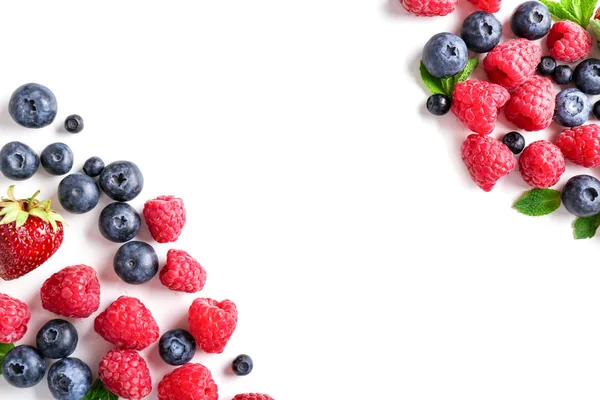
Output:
(119, 222)
(57, 339)
(587, 76)
(547, 66)
(596, 109)
(57, 159)
(445, 55)
(32, 106)
(136, 262)
(23, 367)
(74, 123)
(177, 347)
(18, 161)
(515, 142)
(121, 180)
(69, 379)
(93, 166)
(438, 104)
(562, 75)
(531, 20)
(242, 365)
(481, 31)
(78, 193)
(581, 196)
(572, 108)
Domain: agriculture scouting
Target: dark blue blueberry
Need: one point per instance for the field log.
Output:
(242, 365)
(596, 109)
(57, 339)
(121, 180)
(78, 193)
(18, 161)
(546, 66)
(177, 347)
(69, 379)
(119, 222)
(445, 55)
(562, 75)
(531, 20)
(481, 31)
(136, 262)
(23, 367)
(587, 76)
(74, 123)
(515, 142)
(32, 106)
(572, 108)
(581, 196)
(57, 159)
(93, 166)
(438, 104)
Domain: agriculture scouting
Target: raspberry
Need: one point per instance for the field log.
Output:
(512, 63)
(569, 42)
(581, 145)
(72, 292)
(531, 106)
(188, 382)
(487, 160)
(252, 396)
(125, 373)
(14, 317)
(128, 324)
(429, 8)
(182, 272)
(212, 323)
(477, 103)
(541, 164)
(165, 217)
(491, 6)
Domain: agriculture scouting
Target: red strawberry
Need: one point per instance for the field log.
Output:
(491, 6)
(477, 103)
(569, 42)
(212, 323)
(531, 106)
(487, 160)
(165, 217)
(429, 8)
(512, 63)
(30, 233)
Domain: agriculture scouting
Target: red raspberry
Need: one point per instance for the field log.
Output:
(125, 373)
(581, 145)
(128, 324)
(165, 217)
(541, 164)
(487, 160)
(569, 42)
(531, 106)
(512, 63)
(14, 317)
(182, 272)
(252, 396)
(212, 323)
(491, 6)
(72, 292)
(477, 103)
(429, 8)
(188, 382)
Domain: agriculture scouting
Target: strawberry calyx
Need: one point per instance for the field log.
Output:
(19, 210)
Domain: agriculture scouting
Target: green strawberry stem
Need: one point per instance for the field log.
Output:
(18, 211)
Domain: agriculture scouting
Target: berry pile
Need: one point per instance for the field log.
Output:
(525, 82)
(31, 232)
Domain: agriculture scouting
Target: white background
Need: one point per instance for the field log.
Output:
(322, 199)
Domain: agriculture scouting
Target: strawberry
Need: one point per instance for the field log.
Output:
(30, 233)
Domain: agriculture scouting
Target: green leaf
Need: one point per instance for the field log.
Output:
(573, 7)
(586, 8)
(448, 85)
(467, 71)
(21, 218)
(595, 26)
(585, 227)
(99, 392)
(5, 348)
(433, 84)
(40, 213)
(538, 202)
(559, 12)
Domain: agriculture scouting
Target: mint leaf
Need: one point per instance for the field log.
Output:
(573, 7)
(467, 71)
(586, 8)
(538, 202)
(585, 227)
(5, 348)
(433, 84)
(558, 11)
(595, 26)
(99, 392)
(446, 85)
